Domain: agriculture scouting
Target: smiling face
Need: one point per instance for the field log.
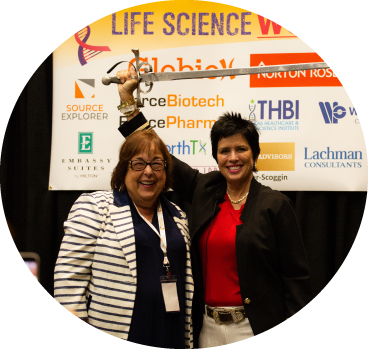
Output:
(235, 160)
(145, 186)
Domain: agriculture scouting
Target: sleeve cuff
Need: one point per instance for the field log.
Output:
(138, 123)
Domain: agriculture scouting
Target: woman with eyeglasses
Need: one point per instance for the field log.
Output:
(124, 263)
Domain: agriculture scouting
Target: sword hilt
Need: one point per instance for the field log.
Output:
(138, 71)
(107, 80)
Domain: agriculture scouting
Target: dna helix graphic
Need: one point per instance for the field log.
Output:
(85, 51)
(252, 108)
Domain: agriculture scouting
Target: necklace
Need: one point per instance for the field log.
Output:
(237, 201)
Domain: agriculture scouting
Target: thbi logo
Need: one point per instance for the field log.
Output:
(85, 142)
(281, 109)
(332, 114)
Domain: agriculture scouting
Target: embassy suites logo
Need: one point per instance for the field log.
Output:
(85, 142)
(86, 166)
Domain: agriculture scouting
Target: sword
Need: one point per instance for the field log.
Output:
(149, 78)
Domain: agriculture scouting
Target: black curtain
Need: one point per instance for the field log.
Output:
(35, 215)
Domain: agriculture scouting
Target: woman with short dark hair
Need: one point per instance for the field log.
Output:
(230, 124)
(249, 263)
(124, 263)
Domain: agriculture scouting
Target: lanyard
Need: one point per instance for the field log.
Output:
(161, 234)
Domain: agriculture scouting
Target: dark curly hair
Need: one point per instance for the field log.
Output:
(230, 124)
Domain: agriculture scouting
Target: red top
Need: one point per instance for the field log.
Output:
(218, 256)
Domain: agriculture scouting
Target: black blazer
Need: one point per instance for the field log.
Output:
(271, 258)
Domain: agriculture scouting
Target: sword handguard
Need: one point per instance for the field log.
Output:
(107, 80)
(138, 71)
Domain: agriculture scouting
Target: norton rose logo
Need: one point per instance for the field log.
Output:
(158, 66)
(299, 78)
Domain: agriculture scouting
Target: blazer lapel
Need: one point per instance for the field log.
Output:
(209, 209)
(123, 223)
(250, 205)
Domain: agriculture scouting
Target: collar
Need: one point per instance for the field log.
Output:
(121, 199)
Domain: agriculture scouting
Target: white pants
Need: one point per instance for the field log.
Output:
(213, 335)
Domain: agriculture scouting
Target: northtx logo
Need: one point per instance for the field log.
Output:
(84, 89)
(85, 51)
(85, 142)
(188, 149)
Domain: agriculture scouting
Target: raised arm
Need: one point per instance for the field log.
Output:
(126, 88)
(185, 178)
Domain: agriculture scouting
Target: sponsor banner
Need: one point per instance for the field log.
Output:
(307, 122)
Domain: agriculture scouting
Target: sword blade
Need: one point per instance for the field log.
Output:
(197, 74)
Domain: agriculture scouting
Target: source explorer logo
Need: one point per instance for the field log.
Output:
(331, 115)
(85, 89)
(85, 142)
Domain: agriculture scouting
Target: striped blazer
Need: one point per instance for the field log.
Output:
(96, 272)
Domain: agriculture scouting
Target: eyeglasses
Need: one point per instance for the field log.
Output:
(140, 165)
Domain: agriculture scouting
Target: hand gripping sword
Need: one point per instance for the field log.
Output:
(149, 78)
